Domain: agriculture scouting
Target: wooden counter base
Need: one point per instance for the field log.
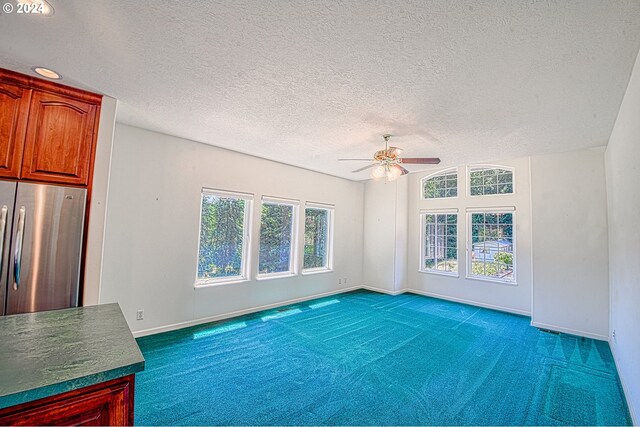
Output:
(104, 404)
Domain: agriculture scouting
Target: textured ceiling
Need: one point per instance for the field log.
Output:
(307, 82)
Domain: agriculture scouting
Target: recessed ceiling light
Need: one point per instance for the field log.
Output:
(45, 72)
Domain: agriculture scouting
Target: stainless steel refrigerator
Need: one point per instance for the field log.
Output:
(41, 230)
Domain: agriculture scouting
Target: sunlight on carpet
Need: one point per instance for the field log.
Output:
(364, 358)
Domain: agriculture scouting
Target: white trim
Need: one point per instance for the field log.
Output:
(318, 270)
(491, 209)
(319, 205)
(569, 331)
(280, 201)
(229, 280)
(440, 211)
(625, 388)
(278, 275)
(384, 291)
(227, 193)
(469, 302)
(237, 313)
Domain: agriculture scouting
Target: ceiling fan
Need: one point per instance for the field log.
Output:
(387, 163)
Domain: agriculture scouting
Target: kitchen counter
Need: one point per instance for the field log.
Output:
(52, 352)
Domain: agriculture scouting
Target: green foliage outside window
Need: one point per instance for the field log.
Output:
(275, 238)
(316, 232)
(221, 237)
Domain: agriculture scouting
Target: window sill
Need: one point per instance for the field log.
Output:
(275, 275)
(440, 273)
(213, 283)
(491, 280)
(312, 271)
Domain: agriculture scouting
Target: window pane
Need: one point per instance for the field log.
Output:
(490, 181)
(440, 249)
(316, 238)
(441, 186)
(275, 238)
(221, 237)
(492, 246)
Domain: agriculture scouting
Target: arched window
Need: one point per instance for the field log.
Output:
(440, 185)
(484, 180)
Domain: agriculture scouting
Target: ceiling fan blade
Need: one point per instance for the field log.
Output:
(368, 160)
(364, 168)
(404, 171)
(420, 160)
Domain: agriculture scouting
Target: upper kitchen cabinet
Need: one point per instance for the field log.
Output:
(14, 110)
(48, 130)
(60, 139)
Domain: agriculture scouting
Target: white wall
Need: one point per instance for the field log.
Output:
(385, 235)
(151, 240)
(98, 208)
(570, 248)
(623, 190)
(513, 298)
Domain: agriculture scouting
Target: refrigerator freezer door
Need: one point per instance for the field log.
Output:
(7, 198)
(44, 267)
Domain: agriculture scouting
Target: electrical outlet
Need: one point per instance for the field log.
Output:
(339, 281)
(613, 335)
(140, 315)
(345, 280)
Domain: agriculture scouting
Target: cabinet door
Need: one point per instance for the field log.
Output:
(106, 404)
(14, 109)
(60, 139)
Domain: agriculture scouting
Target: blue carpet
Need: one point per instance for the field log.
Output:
(365, 358)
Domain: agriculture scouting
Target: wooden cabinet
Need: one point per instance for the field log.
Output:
(14, 110)
(105, 404)
(47, 131)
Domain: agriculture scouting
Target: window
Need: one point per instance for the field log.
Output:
(444, 184)
(492, 246)
(277, 237)
(490, 180)
(317, 238)
(439, 243)
(222, 253)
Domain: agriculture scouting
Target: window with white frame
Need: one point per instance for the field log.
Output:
(490, 180)
(224, 225)
(318, 225)
(277, 237)
(439, 243)
(492, 245)
(441, 185)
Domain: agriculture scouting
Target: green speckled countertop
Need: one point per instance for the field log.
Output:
(51, 352)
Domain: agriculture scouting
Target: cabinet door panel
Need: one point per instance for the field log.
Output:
(14, 110)
(60, 139)
(106, 404)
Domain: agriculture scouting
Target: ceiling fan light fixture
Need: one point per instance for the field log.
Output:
(378, 172)
(394, 172)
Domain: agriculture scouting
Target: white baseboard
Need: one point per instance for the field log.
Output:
(469, 302)
(384, 291)
(634, 416)
(237, 313)
(569, 331)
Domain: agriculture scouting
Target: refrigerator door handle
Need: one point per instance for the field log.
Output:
(17, 259)
(3, 227)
